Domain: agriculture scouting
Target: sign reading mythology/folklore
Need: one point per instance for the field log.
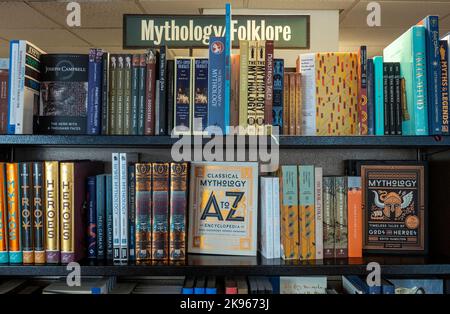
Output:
(193, 31)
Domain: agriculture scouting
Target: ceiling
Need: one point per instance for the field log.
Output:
(43, 22)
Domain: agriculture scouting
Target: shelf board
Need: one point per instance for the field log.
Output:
(284, 141)
(225, 265)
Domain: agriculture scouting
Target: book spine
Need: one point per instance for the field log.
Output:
(127, 116)
(200, 88)
(397, 99)
(386, 98)
(135, 90)
(141, 94)
(120, 82)
(170, 94)
(12, 86)
(183, 96)
(92, 218)
(26, 210)
(14, 215)
(265, 246)
(234, 102)
(162, 91)
(318, 206)
(444, 57)
(143, 211)
(391, 102)
(94, 91)
(328, 217)
(260, 86)
(379, 97)
(289, 213)
(52, 233)
(354, 213)
(292, 104)
(160, 211)
(67, 206)
(307, 212)
(150, 93)
(308, 66)
(132, 212)
(370, 98)
(243, 90)
(38, 213)
(340, 214)
(227, 55)
(268, 97)
(252, 76)
(276, 218)
(123, 211)
(3, 213)
(218, 100)
(298, 103)
(100, 210)
(105, 94)
(19, 108)
(112, 94)
(4, 101)
(362, 108)
(286, 104)
(157, 105)
(277, 107)
(109, 218)
(116, 205)
(433, 73)
(178, 210)
(420, 93)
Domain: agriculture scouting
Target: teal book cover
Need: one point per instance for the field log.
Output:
(379, 97)
(409, 50)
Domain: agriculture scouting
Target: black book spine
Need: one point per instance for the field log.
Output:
(386, 97)
(391, 99)
(397, 99)
(170, 94)
(141, 94)
(162, 91)
(26, 211)
(38, 213)
(105, 94)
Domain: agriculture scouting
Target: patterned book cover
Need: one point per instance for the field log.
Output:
(362, 91)
(143, 211)
(268, 97)
(126, 118)
(370, 98)
(444, 58)
(26, 211)
(178, 210)
(223, 208)
(200, 88)
(91, 204)
(307, 212)
(328, 217)
(260, 86)
(105, 94)
(394, 208)
(52, 212)
(340, 218)
(217, 104)
(290, 241)
(112, 94)
(243, 80)
(160, 211)
(150, 92)
(100, 182)
(318, 206)
(354, 214)
(183, 96)
(132, 212)
(3, 214)
(251, 87)
(277, 106)
(38, 213)
(14, 214)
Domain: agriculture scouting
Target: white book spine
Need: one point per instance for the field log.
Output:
(13, 83)
(276, 218)
(19, 109)
(123, 187)
(308, 71)
(269, 218)
(262, 219)
(116, 205)
(266, 224)
(318, 214)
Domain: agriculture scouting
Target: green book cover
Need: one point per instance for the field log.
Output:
(328, 217)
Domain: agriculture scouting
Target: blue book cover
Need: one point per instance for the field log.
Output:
(216, 84)
(109, 217)
(92, 217)
(278, 81)
(363, 286)
(227, 65)
(162, 92)
(183, 95)
(370, 98)
(431, 24)
(387, 287)
(200, 116)
(444, 85)
(131, 213)
(101, 204)
(94, 91)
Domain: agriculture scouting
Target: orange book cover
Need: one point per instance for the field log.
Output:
(14, 241)
(286, 104)
(354, 219)
(3, 213)
(298, 103)
(292, 104)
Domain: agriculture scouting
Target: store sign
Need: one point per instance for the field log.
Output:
(186, 31)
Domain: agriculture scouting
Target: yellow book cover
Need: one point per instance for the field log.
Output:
(307, 212)
(51, 209)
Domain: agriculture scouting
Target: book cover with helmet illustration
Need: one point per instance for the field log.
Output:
(394, 208)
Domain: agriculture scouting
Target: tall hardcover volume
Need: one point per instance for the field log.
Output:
(235, 92)
(397, 100)
(141, 94)
(116, 205)
(183, 96)
(100, 202)
(64, 94)
(340, 221)
(290, 242)
(132, 212)
(318, 206)
(328, 217)
(52, 212)
(127, 77)
(379, 98)
(160, 211)
(3, 213)
(362, 90)
(178, 210)
(227, 91)
(119, 92)
(252, 87)
(260, 86)
(94, 91)
(162, 112)
(4, 77)
(268, 97)
(391, 98)
(277, 106)
(14, 214)
(386, 99)
(170, 94)
(200, 88)
(143, 211)
(223, 220)
(92, 218)
(112, 106)
(307, 212)
(354, 213)
(443, 53)
(38, 212)
(217, 105)
(409, 50)
(26, 211)
(150, 92)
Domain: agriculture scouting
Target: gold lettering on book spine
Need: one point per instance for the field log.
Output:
(51, 206)
(66, 206)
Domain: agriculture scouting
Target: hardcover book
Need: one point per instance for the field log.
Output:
(362, 91)
(38, 212)
(109, 218)
(265, 229)
(14, 214)
(64, 94)
(354, 214)
(243, 90)
(4, 76)
(52, 212)
(162, 90)
(260, 86)
(268, 97)
(3, 218)
(100, 189)
(276, 218)
(160, 211)
(318, 206)
(340, 218)
(143, 211)
(379, 98)
(127, 115)
(328, 217)
(112, 106)
(251, 87)
(131, 212)
(26, 211)
(200, 88)
(444, 59)
(142, 94)
(91, 203)
(217, 105)
(150, 92)
(183, 96)
(105, 105)
(223, 208)
(277, 107)
(120, 82)
(94, 91)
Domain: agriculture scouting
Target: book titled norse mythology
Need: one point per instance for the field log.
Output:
(394, 208)
(223, 208)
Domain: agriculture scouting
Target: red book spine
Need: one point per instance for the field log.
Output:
(3, 101)
(269, 84)
(150, 94)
